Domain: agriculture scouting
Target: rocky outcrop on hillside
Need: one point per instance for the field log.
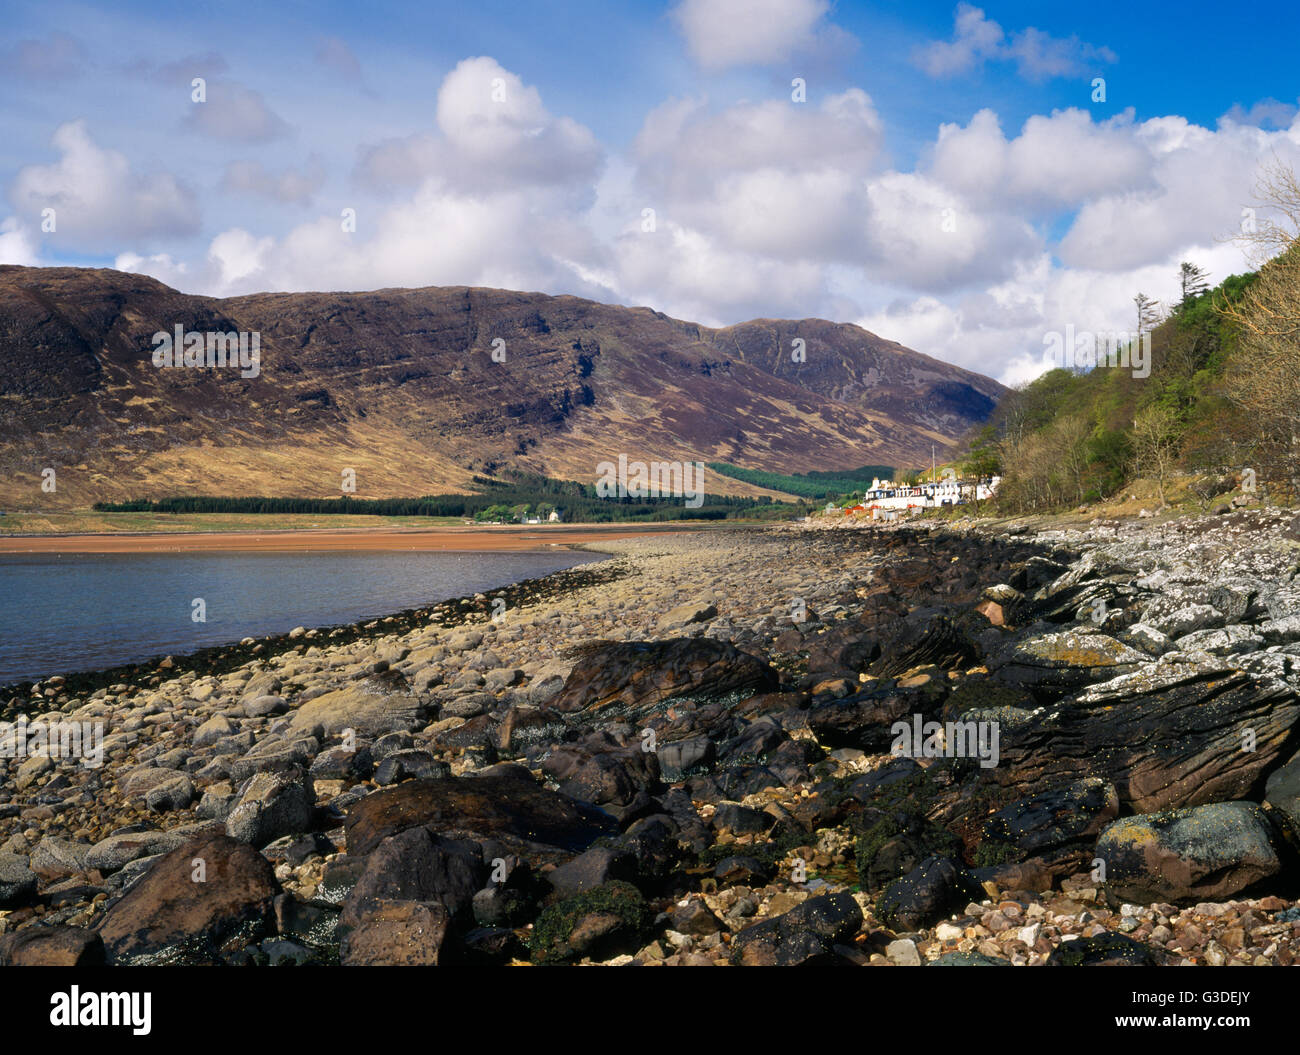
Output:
(875, 746)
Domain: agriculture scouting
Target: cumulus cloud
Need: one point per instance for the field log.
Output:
(977, 39)
(234, 112)
(1200, 183)
(495, 194)
(724, 33)
(1266, 113)
(770, 178)
(1061, 159)
(289, 187)
(16, 244)
(98, 198)
(493, 134)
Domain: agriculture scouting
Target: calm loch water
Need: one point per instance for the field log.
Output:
(74, 612)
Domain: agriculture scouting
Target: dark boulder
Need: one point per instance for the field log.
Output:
(594, 923)
(398, 934)
(636, 675)
(601, 770)
(1055, 817)
(925, 895)
(51, 947)
(1104, 950)
(210, 895)
(804, 936)
(416, 865)
(1167, 736)
(505, 803)
(1208, 853)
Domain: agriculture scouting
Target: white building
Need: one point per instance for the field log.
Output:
(887, 495)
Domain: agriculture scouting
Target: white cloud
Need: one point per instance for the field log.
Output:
(17, 245)
(977, 39)
(97, 197)
(773, 178)
(493, 133)
(724, 33)
(1062, 159)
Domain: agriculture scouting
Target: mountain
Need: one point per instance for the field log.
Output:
(401, 386)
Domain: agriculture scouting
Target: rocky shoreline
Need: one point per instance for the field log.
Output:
(690, 754)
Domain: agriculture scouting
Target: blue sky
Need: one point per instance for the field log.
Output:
(949, 181)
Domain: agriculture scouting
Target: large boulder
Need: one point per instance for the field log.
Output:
(1104, 950)
(1208, 853)
(209, 896)
(637, 675)
(925, 895)
(120, 849)
(504, 804)
(601, 770)
(592, 923)
(51, 947)
(416, 865)
(54, 858)
(804, 936)
(271, 805)
(17, 881)
(397, 934)
(1055, 817)
(367, 708)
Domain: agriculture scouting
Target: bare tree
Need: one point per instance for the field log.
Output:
(1155, 444)
(1148, 313)
(1192, 281)
(1264, 382)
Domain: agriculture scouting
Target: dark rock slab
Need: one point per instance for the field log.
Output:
(1167, 736)
(634, 675)
(503, 802)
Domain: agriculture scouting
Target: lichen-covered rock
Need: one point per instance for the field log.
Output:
(1203, 854)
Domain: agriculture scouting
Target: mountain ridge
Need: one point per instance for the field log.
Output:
(400, 385)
